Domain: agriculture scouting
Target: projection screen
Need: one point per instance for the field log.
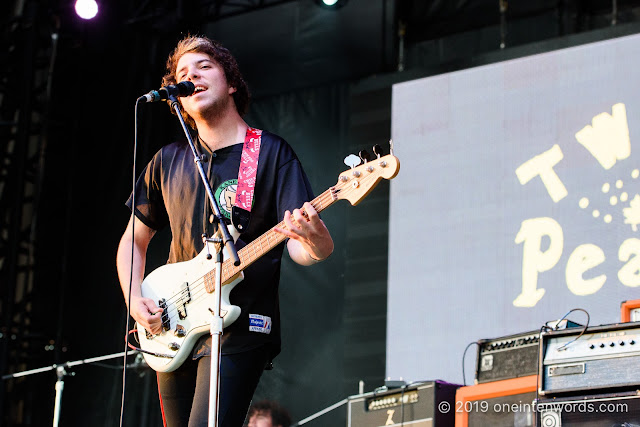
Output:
(518, 199)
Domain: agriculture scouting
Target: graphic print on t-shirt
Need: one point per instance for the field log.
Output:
(260, 323)
(226, 196)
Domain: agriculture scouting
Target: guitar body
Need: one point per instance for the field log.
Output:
(180, 289)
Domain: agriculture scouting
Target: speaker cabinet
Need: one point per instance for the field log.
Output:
(506, 403)
(428, 404)
(613, 409)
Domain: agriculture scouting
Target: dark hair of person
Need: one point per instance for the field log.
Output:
(279, 415)
(220, 54)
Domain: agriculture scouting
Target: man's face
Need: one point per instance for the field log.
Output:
(212, 90)
(260, 420)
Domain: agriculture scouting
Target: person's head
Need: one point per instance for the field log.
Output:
(268, 413)
(221, 56)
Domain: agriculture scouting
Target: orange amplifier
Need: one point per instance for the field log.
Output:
(630, 311)
(498, 403)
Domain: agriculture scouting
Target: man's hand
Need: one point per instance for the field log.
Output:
(309, 239)
(147, 314)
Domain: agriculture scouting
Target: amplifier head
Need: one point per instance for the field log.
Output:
(604, 357)
(420, 405)
(630, 311)
(507, 357)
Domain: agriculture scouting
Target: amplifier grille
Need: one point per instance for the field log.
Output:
(507, 357)
(415, 405)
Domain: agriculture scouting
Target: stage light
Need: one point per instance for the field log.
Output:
(331, 4)
(86, 9)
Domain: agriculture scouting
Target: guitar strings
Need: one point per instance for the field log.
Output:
(197, 290)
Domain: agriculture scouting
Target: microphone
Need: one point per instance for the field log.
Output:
(185, 88)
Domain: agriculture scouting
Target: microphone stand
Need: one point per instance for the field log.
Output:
(227, 241)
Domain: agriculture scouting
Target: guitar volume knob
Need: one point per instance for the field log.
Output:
(174, 346)
(180, 331)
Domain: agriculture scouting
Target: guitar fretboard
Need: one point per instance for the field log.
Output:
(263, 244)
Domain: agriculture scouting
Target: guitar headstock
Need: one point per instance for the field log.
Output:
(356, 183)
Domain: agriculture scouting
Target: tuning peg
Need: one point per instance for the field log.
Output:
(364, 155)
(352, 161)
(378, 150)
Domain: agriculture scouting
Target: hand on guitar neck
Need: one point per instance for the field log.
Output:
(309, 239)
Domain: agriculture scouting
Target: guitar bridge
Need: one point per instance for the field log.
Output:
(166, 321)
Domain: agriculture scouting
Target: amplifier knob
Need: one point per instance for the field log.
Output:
(602, 345)
(612, 344)
(632, 342)
(592, 346)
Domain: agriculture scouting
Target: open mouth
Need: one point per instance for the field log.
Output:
(199, 89)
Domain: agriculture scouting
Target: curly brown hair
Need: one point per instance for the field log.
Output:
(279, 415)
(220, 54)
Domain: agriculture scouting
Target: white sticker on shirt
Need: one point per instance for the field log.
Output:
(259, 323)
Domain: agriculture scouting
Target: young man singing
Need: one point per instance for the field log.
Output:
(170, 192)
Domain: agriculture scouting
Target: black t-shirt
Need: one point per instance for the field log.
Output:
(170, 192)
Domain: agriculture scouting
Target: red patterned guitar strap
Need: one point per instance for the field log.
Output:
(241, 211)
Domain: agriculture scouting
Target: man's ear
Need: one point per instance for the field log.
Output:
(232, 90)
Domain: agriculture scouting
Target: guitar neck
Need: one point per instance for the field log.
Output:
(269, 240)
(353, 185)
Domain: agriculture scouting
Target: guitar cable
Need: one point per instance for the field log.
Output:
(140, 350)
(133, 224)
(464, 356)
(564, 347)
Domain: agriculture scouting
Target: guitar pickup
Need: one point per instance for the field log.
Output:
(183, 299)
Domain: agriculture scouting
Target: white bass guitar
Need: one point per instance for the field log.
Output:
(185, 290)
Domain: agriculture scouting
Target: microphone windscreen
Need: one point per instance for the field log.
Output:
(186, 88)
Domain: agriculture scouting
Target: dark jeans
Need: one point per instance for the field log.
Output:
(184, 393)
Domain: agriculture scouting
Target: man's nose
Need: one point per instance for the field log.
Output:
(193, 74)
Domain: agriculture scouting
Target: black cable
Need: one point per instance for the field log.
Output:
(542, 328)
(564, 347)
(404, 387)
(133, 240)
(546, 328)
(464, 380)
